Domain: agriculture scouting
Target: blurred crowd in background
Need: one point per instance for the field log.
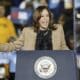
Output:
(17, 14)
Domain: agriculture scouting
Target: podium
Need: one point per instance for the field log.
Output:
(46, 65)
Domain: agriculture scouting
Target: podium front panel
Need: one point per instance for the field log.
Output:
(46, 65)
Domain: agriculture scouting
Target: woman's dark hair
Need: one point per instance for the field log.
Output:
(37, 16)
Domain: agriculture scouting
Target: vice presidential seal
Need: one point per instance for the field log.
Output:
(45, 67)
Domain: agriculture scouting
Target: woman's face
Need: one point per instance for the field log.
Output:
(44, 20)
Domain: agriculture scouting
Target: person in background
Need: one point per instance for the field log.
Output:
(70, 40)
(7, 29)
(44, 35)
(43, 2)
(66, 20)
(23, 4)
(4, 66)
(61, 19)
(7, 34)
(12, 56)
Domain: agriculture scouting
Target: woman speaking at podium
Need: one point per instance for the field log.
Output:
(44, 35)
